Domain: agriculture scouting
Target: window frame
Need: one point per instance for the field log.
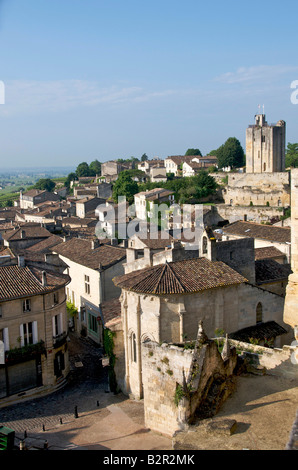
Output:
(26, 304)
(87, 284)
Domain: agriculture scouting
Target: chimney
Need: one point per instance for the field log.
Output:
(21, 261)
(94, 244)
(23, 234)
(43, 278)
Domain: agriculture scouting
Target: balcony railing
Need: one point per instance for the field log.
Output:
(59, 340)
(24, 353)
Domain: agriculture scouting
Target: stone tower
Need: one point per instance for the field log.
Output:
(265, 146)
(291, 299)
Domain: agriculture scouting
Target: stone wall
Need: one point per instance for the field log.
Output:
(239, 255)
(278, 361)
(104, 190)
(265, 146)
(180, 383)
(260, 189)
(174, 318)
(163, 368)
(291, 302)
(259, 214)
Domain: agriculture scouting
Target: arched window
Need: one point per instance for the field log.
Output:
(259, 313)
(133, 344)
(204, 244)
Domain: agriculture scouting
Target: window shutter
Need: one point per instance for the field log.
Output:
(34, 332)
(6, 339)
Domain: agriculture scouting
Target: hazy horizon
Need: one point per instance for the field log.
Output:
(107, 80)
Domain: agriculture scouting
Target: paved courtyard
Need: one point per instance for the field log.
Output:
(86, 416)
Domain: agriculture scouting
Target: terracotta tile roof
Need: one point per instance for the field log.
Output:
(30, 231)
(45, 245)
(178, 159)
(8, 214)
(111, 311)
(254, 230)
(158, 176)
(270, 270)
(180, 277)
(5, 251)
(37, 192)
(80, 232)
(79, 222)
(47, 210)
(80, 251)
(17, 282)
(6, 226)
(155, 193)
(34, 192)
(260, 331)
(155, 240)
(268, 252)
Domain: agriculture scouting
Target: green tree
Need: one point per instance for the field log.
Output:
(187, 189)
(135, 173)
(213, 153)
(70, 177)
(144, 158)
(95, 168)
(125, 186)
(193, 152)
(83, 170)
(45, 184)
(292, 155)
(135, 162)
(230, 154)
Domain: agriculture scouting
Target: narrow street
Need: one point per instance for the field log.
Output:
(84, 414)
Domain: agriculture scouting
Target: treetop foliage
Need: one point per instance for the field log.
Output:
(193, 152)
(292, 155)
(45, 184)
(230, 154)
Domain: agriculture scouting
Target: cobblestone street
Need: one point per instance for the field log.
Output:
(65, 419)
(85, 382)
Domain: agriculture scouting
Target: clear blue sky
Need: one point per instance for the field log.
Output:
(88, 79)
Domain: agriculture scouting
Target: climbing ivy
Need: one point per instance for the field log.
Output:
(108, 343)
(179, 394)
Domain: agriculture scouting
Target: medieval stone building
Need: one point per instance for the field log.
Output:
(291, 300)
(265, 146)
(164, 303)
(265, 182)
